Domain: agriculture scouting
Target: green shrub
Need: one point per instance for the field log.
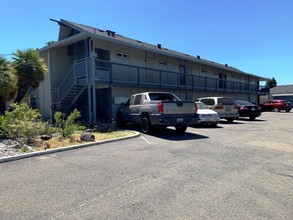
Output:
(22, 123)
(67, 125)
(2, 134)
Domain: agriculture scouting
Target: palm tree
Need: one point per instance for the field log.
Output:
(30, 70)
(8, 82)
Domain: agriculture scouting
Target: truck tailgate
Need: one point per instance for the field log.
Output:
(179, 108)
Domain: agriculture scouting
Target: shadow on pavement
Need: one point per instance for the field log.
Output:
(169, 133)
(247, 119)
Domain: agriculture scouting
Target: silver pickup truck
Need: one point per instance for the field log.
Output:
(157, 109)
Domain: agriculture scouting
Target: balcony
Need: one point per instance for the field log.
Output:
(128, 75)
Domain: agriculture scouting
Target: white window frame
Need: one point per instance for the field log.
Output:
(122, 55)
(163, 63)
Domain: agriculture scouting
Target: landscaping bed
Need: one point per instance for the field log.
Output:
(12, 148)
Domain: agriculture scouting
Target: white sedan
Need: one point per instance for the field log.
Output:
(206, 116)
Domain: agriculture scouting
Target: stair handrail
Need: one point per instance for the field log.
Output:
(64, 83)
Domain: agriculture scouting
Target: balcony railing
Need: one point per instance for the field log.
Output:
(120, 74)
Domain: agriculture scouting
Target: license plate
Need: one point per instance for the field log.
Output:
(228, 109)
(252, 109)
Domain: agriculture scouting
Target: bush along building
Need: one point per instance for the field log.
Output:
(95, 70)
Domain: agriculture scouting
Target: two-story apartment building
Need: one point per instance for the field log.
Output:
(95, 70)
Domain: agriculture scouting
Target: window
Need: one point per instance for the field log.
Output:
(162, 97)
(208, 101)
(131, 100)
(226, 101)
(122, 55)
(137, 100)
(163, 63)
(102, 54)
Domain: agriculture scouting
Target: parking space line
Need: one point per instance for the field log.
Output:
(145, 139)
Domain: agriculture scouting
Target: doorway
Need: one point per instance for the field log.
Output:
(104, 104)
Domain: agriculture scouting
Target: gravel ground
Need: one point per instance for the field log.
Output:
(13, 148)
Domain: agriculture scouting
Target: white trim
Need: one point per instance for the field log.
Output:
(287, 94)
(122, 55)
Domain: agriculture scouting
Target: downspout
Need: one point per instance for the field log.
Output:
(49, 73)
(89, 71)
(91, 68)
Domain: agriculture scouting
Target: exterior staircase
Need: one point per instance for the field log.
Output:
(73, 87)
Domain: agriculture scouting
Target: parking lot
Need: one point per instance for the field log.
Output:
(242, 170)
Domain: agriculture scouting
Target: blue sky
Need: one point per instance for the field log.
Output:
(255, 36)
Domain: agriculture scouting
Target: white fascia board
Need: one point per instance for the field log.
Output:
(67, 41)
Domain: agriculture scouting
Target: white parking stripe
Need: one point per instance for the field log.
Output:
(145, 139)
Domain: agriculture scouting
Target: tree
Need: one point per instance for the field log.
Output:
(30, 69)
(271, 83)
(8, 81)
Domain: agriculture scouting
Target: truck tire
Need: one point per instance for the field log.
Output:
(146, 126)
(180, 128)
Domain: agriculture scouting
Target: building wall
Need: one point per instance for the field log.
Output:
(43, 94)
(43, 99)
(148, 59)
(60, 61)
(60, 64)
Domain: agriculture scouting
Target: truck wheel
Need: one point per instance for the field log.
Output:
(146, 126)
(180, 128)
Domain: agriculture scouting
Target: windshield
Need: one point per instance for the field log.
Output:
(240, 102)
(226, 101)
(162, 97)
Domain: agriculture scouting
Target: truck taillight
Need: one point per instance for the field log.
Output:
(160, 107)
(195, 108)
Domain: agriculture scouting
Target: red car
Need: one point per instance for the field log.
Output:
(276, 105)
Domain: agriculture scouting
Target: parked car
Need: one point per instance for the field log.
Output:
(224, 106)
(248, 109)
(157, 109)
(276, 105)
(207, 116)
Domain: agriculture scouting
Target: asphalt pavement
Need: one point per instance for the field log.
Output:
(242, 170)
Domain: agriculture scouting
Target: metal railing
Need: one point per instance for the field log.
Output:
(78, 71)
(128, 75)
(121, 74)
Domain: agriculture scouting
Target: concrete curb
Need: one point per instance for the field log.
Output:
(51, 151)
